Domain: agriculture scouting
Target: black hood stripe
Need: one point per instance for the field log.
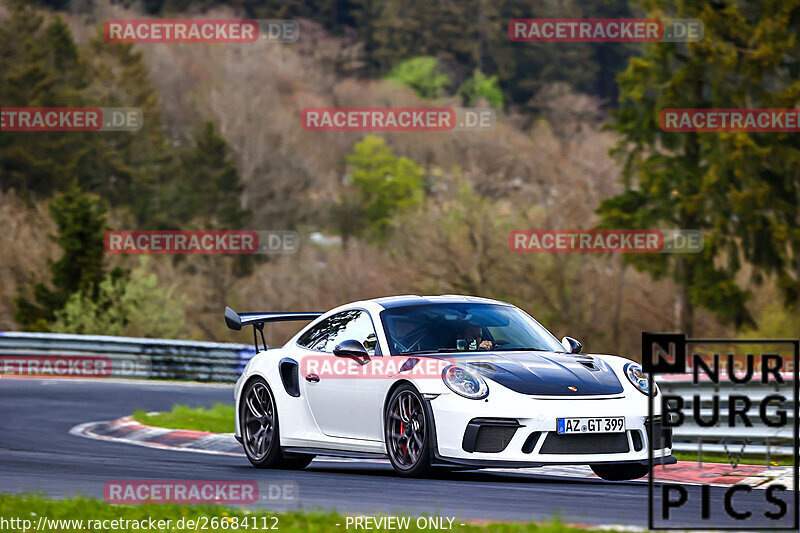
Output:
(545, 373)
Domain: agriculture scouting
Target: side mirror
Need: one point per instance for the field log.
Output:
(571, 345)
(353, 349)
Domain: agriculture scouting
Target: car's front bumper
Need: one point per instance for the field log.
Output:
(511, 430)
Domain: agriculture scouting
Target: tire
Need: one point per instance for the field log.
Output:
(407, 433)
(258, 421)
(619, 472)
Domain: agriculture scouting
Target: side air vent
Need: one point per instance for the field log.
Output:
(290, 377)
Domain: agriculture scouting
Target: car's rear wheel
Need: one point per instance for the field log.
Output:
(408, 432)
(620, 472)
(258, 420)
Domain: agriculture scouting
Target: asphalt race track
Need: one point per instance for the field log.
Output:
(37, 453)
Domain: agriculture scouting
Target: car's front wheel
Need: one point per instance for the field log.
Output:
(620, 472)
(258, 421)
(408, 432)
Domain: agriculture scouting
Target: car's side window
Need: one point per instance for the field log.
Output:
(316, 337)
(354, 324)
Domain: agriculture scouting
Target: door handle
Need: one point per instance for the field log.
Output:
(312, 378)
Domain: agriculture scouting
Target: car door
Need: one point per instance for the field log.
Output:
(342, 395)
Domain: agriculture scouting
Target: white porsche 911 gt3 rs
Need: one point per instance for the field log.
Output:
(443, 381)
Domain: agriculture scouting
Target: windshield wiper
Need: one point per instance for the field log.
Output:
(520, 350)
(439, 350)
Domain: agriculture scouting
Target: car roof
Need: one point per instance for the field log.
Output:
(391, 302)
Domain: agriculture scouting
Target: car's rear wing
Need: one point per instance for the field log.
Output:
(236, 320)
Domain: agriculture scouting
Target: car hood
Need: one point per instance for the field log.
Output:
(544, 373)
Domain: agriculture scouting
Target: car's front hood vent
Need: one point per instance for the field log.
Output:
(485, 367)
(548, 373)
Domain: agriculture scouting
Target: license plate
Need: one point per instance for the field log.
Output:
(608, 424)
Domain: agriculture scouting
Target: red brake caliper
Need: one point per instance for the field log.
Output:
(402, 430)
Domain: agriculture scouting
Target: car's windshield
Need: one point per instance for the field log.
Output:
(463, 327)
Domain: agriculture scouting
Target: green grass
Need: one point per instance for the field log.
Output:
(218, 419)
(33, 506)
(716, 457)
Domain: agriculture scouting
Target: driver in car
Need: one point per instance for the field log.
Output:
(470, 339)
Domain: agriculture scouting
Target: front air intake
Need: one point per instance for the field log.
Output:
(663, 436)
(555, 444)
(531, 441)
(489, 435)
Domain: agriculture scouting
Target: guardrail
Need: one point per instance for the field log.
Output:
(133, 357)
(760, 439)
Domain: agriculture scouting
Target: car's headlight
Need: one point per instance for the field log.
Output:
(465, 382)
(638, 378)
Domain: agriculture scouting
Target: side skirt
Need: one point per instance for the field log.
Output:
(334, 453)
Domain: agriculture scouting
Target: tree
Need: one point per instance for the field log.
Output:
(207, 195)
(463, 35)
(396, 31)
(40, 67)
(740, 189)
(130, 305)
(454, 244)
(130, 169)
(207, 185)
(81, 222)
(387, 184)
(480, 87)
(420, 74)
